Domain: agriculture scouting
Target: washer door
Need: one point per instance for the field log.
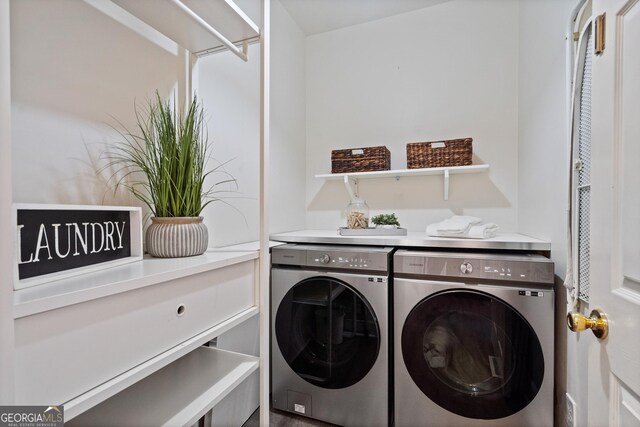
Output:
(472, 354)
(327, 332)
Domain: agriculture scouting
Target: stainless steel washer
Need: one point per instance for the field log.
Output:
(329, 346)
(473, 339)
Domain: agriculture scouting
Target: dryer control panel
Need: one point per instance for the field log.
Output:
(494, 267)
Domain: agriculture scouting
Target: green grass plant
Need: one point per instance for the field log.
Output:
(385, 219)
(164, 163)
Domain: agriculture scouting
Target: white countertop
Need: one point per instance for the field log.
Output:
(110, 281)
(414, 239)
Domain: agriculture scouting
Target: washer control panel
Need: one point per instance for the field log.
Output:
(336, 257)
(359, 261)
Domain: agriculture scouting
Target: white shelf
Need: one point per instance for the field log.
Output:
(406, 172)
(135, 275)
(177, 395)
(200, 26)
(446, 171)
(93, 397)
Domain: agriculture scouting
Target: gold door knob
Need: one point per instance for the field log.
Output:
(597, 322)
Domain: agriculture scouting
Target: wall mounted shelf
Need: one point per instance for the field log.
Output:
(352, 177)
(200, 26)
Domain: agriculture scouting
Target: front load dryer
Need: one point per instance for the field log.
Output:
(329, 333)
(473, 339)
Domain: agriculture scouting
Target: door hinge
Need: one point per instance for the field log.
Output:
(600, 34)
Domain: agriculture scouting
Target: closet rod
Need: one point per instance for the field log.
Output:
(242, 54)
(249, 41)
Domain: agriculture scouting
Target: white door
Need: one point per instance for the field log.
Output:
(614, 362)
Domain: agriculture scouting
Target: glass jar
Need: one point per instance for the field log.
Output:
(357, 214)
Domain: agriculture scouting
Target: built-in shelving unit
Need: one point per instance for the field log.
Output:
(141, 321)
(143, 324)
(199, 26)
(177, 395)
(353, 177)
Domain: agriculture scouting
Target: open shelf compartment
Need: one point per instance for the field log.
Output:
(179, 394)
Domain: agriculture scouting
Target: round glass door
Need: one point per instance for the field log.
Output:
(327, 332)
(472, 354)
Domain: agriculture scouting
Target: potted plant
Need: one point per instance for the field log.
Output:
(386, 221)
(164, 164)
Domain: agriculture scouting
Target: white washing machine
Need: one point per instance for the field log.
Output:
(330, 334)
(473, 339)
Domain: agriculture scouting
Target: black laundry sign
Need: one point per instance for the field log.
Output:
(56, 240)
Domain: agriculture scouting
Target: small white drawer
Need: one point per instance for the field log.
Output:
(62, 353)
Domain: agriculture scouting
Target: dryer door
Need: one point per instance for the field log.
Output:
(472, 354)
(327, 332)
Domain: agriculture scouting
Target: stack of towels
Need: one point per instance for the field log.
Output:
(469, 227)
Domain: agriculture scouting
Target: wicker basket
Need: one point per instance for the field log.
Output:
(452, 152)
(360, 159)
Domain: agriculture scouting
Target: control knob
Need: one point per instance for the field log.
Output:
(324, 258)
(466, 268)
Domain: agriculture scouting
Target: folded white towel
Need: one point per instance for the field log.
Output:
(463, 226)
(457, 224)
(482, 231)
(432, 230)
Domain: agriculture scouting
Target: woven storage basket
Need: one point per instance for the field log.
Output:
(452, 152)
(360, 159)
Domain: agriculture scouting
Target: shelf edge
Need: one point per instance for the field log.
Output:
(95, 396)
(406, 172)
(24, 306)
(206, 403)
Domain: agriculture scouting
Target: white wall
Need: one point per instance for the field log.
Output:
(6, 246)
(287, 208)
(542, 116)
(442, 72)
(493, 70)
(71, 83)
(230, 91)
(543, 170)
(75, 84)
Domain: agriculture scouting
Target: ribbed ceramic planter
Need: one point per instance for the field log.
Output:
(175, 237)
